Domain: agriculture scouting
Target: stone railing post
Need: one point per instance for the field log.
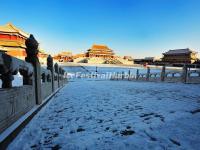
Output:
(7, 80)
(57, 71)
(148, 73)
(32, 52)
(184, 74)
(50, 67)
(60, 76)
(162, 77)
(137, 74)
(129, 74)
(123, 75)
(117, 76)
(63, 74)
(173, 75)
(5, 70)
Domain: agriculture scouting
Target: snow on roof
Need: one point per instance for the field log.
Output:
(10, 28)
(179, 51)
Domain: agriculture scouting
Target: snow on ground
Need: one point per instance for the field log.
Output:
(99, 114)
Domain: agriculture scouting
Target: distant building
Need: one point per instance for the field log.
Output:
(64, 57)
(82, 55)
(146, 60)
(197, 62)
(42, 55)
(100, 51)
(179, 56)
(129, 58)
(12, 40)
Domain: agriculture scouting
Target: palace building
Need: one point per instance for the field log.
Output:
(180, 56)
(100, 51)
(63, 57)
(144, 61)
(12, 40)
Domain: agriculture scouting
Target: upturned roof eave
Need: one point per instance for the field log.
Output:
(10, 28)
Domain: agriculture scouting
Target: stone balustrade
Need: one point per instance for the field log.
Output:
(154, 77)
(173, 76)
(39, 83)
(15, 101)
(46, 82)
(193, 76)
(185, 75)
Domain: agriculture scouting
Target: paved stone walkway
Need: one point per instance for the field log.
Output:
(116, 115)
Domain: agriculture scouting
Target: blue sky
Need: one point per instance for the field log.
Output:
(130, 27)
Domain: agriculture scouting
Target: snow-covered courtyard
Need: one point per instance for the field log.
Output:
(99, 114)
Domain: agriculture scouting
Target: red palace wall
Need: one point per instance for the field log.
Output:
(11, 37)
(4, 37)
(14, 51)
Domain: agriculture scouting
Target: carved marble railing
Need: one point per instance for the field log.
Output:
(16, 101)
(122, 76)
(173, 76)
(142, 76)
(185, 75)
(193, 76)
(155, 77)
(46, 81)
(38, 84)
(10, 66)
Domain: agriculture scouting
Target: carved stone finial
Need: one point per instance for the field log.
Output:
(50, 63)
(31, 49)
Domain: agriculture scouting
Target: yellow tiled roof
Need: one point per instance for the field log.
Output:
(10, 28)
(99, 47)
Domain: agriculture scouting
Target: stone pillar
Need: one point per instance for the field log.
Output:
(50, 67)
(137, 74)
(162, 77)
(7, 80)
(63, 74)
(60, 76)
(6, 71)
(173, 75)
(184, 74)
(148, 74)
(32, 52)
(122, 75)
(129, 74)
(57, 71)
